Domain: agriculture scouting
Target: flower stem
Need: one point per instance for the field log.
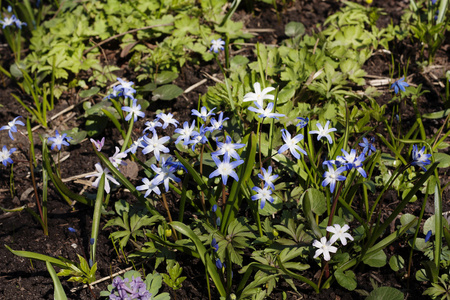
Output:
(127, 138)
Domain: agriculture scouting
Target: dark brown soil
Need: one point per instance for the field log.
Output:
(23, 279)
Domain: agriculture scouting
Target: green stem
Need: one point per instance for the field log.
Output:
(127, 138)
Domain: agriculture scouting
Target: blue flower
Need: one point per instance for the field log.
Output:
(133, 110)
(91, 241)
(228, 149)
(12, 126)
(399, 85)
(323, 132)
(185, 133)
(267, 177)
(303, 122)
(8, 21)
(217, 45)
(165, 174)
(264, 194)
(225, 168)
(156, 145)
(215, 245)
(71, 229)
(219, 264)
(265, 113)
(203, 113)
(59, 140)
(332, 175)
(198, 137)
(368, 147)
(291, 144)
(419, 157)
(216, 125)
(428, 236)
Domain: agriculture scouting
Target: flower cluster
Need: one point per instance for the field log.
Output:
(325, 247)
(125, 290)
(13, 20)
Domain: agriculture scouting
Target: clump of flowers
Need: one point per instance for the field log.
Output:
(325, 247)
(124, 290)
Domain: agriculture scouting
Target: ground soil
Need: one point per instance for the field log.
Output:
(23, 279)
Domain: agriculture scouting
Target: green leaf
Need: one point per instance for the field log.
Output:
(377, 260)
(317, 200)
(59, 291)
(40, 257)
(167, 92)
(385, 293)
(294, 29)
(437, 115)
(89, 93)
(346, 279)
(396, 262)
(443, 159)
(166, 77)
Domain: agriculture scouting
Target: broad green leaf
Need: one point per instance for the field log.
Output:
(88, 93)
(385, 293)
(167, 92)
(165, 77)
(294, 29)
(317, 200)
(396, 262)
(443, 159)
(376, 260)
(346, 279)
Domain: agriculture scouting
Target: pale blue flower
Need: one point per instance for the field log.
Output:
(116, 159)
(265, 194)
(8, 21)
(165, 174)
(323, 132)
(167, 119)
(419, 157)
(149, 186)
(303, 122)
(12, 126)
(217, 125)
(368, 146)
(139, 143)
(59, 140)
(217, 45)
(185, 133)
(155, 145)
(291, 144)
(152, 125)
(133, 110)
(203, 113)
(267, 177)
(332, 176)
(265, 113)
(198, 137)
(225, 168)
(228, 149)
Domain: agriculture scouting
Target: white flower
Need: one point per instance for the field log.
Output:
(156, 145)
(259, 96)
(323, 132)
(217, 45)
(116, 159)
(167, 119)
(149, 186)
(339, 233)
(324, 247)
(99, 174)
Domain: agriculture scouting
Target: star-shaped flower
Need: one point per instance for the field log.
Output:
(185, 132)
(228, 149)
(399, 85)
(203, 113)
(265, 194)
(12, 126)
(149, 186)
(133, 110)
(324, 247)
(303, 122)
(291, 144)
(116, 159)
(155, 145)
(59, 140)
(259, 96)
(136, 144)
(165, 174)
(265, 113)
(217, 45)
(108, 177)
(332, 175)
(167, 119)
(339, 233)
(225, 168)
(152, 125)
(323, 132)
(198, 137)
(98, 144)
(368, 146)
(5, 155)
(8, 21)
(419, 157)
(216, 125)
(267, 177)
